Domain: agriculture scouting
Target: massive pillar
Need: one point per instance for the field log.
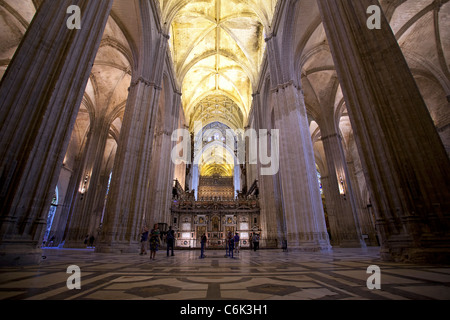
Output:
(345, 230)
(40, 95)
(128, 198)
(60, 226)
(305, 219)
(406, 166)
(300, 196)
(367, 223)
(162, 167)
(272, 220)
(84, 203)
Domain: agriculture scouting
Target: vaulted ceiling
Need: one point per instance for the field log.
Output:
(217, 48)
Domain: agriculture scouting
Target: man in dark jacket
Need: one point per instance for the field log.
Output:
(170, 240)
(144, 239)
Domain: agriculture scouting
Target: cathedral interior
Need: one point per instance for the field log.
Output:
(319, 127)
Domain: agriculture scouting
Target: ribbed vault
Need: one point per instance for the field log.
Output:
(217, 48)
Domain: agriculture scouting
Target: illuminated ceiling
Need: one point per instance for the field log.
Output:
(217, 48)
(216, 160)
(215, 108)
(213, 156)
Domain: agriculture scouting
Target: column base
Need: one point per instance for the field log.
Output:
(428, 251)
(20, 255)
(351, 244)
(75, 244)
(309, 246)
(309, 241)
(270, 243)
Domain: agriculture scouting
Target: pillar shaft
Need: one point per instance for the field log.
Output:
(162, 167)
(341, 199)
(406, 166)
(128, 194)
(273, 222)
(41, 93)
(61, 225)
(366, 220)
(85, 200)
(305, 219)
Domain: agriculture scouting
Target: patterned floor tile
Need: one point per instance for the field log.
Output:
(339, 274)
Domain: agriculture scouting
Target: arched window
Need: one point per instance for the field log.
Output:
(50, 217)
(106, 198)
(319, 179)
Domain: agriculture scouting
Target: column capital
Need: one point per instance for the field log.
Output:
(269, 37)
(285, 85)
(146, 82)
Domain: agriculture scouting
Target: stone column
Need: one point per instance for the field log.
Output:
(41, 93)
(272, 219)
(84, 204)
(180, 171)
(127, 201)
(331, 211)
(127, 198)
(162, 167)
(340, 195)
(100, 202)
(61, 226)
(366, 222)
(305, 219)
(61, 215)
(406, 166)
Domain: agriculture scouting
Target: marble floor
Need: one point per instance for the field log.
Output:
(340, 274)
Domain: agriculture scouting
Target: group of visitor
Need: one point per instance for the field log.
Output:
(232, 244)
(154, 238)
(254, 242)
(89, 241)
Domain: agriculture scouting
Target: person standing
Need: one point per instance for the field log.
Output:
(203, 240)
(236, 242)
(144, 239)
(230, 245)
(91, 241)
(170, 240)
(255, 242)
(227, 244)
(154, 241)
